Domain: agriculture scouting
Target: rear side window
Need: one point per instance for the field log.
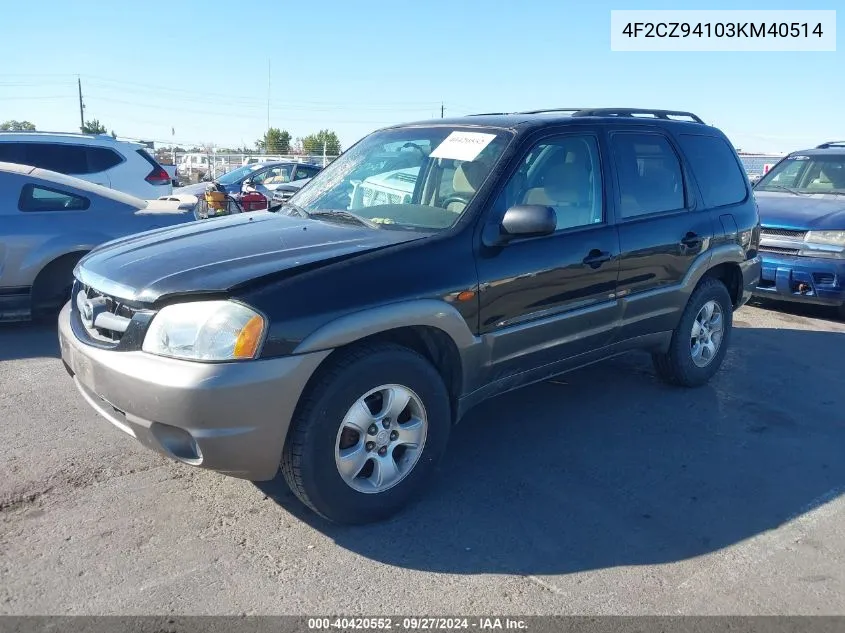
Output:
(101, 159)
(305, 172)
(649, 171)
(61, 157)
(37, 198)
(10, 152)
(716, 170)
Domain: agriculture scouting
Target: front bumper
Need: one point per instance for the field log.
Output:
(802, 279)
(228, 417)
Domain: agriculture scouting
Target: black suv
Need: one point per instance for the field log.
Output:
(340, 339)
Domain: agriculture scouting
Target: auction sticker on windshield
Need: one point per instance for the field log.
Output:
(462, 145)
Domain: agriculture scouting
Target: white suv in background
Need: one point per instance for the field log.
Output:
(97, 158)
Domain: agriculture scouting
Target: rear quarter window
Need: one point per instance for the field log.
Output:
(715, 168)
(36, 198)
(102, 158)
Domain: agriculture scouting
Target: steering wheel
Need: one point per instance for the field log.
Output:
(415, 146)
(455, 197)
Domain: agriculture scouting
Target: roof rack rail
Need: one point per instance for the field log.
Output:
(629, 112)
(544, 110)
(831, 144)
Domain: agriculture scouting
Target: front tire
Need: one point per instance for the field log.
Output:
(368, 434)
(701, 340)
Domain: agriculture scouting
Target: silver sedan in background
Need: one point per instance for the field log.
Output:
(48, 221)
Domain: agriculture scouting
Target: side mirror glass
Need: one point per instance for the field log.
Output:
(524, 220)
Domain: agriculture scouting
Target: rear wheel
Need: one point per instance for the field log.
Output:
(368, 434)
(700, 341)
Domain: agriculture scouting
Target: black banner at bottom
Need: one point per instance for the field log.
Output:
(352, 624)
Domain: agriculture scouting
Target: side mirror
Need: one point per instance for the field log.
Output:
(523, 220)
(248, 182)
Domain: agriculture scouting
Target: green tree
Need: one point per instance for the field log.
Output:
(275, 141)
(93, 127)
(17, 126)
(313, 143)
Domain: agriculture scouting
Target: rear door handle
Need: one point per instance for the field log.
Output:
(691, 240)
(596, 258)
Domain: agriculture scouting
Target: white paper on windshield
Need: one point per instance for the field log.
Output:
(463, 145)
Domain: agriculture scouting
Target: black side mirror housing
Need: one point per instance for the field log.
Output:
(523, 220)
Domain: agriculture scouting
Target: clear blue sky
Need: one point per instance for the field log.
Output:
(201, 68)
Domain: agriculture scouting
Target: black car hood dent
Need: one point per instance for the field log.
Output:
(801, 212)
(220, 254)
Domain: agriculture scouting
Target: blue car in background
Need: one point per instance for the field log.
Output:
(802, 216)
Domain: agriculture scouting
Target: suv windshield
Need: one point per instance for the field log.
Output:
(409, 178)
(806, 174)
(236, 174)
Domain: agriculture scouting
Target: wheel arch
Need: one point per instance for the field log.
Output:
(432, 328)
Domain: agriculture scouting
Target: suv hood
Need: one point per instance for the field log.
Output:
(817, 211)
(219, 254)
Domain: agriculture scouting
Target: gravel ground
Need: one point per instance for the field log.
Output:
(604, 492)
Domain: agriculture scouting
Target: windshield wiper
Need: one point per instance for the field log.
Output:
(347, 215)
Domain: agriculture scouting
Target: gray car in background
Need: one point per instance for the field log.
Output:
(48, 221)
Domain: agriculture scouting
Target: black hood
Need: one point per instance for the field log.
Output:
(219, 254)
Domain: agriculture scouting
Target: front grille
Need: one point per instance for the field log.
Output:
(105, 318)
(783, 233)
(778, 249)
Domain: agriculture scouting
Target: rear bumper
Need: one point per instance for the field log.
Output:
(802, 279)
(232, 418)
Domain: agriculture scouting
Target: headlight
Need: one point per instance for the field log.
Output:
(206, 330)
(835, 238)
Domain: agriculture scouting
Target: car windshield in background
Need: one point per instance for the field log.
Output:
(408, 178)
(236, 174)
(806, 174)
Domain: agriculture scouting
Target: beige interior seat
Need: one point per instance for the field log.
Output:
(465, 182)
(566, 187)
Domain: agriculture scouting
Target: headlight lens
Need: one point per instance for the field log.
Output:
(835, 238)
(206, 330)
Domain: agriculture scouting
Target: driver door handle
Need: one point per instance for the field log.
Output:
(596, 258)
(691, 240)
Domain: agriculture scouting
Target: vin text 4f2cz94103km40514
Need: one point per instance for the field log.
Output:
(431, 266)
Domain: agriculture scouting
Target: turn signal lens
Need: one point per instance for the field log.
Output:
(249, 338)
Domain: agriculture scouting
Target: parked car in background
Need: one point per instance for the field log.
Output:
(48, 221)
(339, 341)
(802, 212)
(261, 177)
(97, 158)
(285, 192)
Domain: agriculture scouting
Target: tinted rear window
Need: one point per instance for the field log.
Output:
(61, 157)
(10, 152)
(719, 176)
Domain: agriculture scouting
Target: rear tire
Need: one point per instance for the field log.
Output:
(382, 475)
(694, 354)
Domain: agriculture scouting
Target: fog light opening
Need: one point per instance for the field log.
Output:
(178, 443)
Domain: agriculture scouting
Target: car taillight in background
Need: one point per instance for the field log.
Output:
(158, 176)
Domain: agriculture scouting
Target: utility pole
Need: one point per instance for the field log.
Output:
(267, 136)
(81, 116)
(441, 109)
